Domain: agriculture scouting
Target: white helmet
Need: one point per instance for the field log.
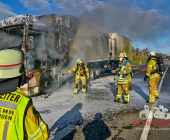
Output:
(79, 61)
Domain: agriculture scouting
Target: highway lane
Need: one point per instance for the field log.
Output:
(96, 114)
(162, 127)
(129, 125)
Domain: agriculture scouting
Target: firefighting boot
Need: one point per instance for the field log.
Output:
(76, 89)
(130, 88)
(157, 98)
(117, 100)
(84, 89)
(150, 102)
(125, 102)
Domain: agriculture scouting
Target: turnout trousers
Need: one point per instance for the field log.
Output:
(153, 92)
(77, 80)
(125, 88)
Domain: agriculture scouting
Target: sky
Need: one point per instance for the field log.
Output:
(145, 22)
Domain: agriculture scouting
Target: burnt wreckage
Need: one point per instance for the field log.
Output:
(47, 38)
(54, 41)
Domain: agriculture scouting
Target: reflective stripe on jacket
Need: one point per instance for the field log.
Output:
(14, 118)
(125, 69)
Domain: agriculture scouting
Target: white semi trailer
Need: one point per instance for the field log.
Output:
(98, 48)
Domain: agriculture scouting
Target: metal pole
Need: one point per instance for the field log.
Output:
(25, 31)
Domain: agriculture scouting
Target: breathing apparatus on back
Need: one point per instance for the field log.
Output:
(159, 61)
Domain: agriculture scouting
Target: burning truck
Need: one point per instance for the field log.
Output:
(55, 42)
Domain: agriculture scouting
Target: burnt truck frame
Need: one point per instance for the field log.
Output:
(25, 28)
(46, 74)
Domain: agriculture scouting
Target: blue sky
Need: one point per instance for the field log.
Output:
(145, 22)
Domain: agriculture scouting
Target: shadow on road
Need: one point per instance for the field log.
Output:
(96, 129)
(138, 90)
(70, 118)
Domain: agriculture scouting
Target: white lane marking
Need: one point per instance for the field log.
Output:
(135, 72)
(144, 69)
(136, 68)
(146, 128)
(160, 85)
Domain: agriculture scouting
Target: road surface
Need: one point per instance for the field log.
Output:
(96, 116)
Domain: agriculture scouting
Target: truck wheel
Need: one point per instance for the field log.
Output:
(97, 73)
(92, 75)
(57, 80)
(46, 84)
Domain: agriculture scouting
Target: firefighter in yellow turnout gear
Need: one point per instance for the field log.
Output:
(82, 73)
(19, 120)
(154, 77)
(130, 79)
(123, 78)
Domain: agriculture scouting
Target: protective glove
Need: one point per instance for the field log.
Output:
(64, 74)
(87, 78)
(145, 78)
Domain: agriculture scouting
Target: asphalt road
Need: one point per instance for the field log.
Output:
(95, 116)
(127, 125)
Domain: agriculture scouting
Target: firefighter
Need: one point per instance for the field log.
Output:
(19, 120)
(123, 78)
(82, 73)
(130, 84)
(154, 77)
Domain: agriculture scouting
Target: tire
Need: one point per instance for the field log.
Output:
(46, 84)
(56, 81)
(92, 75)
(98, 73)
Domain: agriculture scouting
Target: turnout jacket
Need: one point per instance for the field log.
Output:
(80, 71)
(19, 120)
(152, 68)
(126, 69)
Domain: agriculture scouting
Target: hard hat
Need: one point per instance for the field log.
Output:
(152, 53)
(79, 61)
(122, 54)
(12, 63)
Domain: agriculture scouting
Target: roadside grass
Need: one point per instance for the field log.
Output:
(137, 57)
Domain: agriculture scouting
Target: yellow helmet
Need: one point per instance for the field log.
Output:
(122, 54)
(79, 61)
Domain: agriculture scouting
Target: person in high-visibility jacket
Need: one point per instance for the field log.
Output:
(123, 78)
(130, 79)
(82, 73)
(19, 120)
(154, 77)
